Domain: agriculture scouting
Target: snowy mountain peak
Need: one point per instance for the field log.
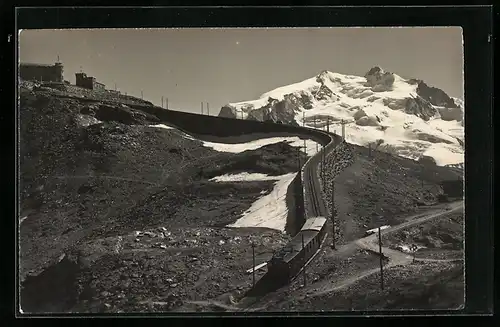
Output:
(404, 116)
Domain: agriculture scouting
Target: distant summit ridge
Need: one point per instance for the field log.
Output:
(381, 104)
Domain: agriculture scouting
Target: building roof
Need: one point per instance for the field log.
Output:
(34, 64)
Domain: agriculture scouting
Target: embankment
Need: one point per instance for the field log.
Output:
(228, 130)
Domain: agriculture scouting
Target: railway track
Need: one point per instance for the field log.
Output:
(315, 204)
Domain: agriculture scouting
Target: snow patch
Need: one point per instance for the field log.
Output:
(270, 210)
(256, 144)
(162, 126)
(244, 177)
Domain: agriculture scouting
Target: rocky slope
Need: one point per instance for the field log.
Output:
(412, 118)
(94, 172)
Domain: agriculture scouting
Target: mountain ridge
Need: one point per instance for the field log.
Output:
(409, 117)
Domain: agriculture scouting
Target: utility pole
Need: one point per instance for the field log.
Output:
(208, 109)
(422, 176)
(167, 103)
(381, 260)
(202, 107)
(343, 130)
(315, 127)
(324, 163)
(333, 214)
(298, 158)
(304, 253)
(162, 101)
(253, 258)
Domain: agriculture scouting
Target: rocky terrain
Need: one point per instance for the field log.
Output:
(419, 286)
(119, 216)
(85, 180)
(407, 187)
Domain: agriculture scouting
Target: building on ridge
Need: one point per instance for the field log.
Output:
(41, 72)
(88, 82)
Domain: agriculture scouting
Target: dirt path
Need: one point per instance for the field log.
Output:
(396, 258)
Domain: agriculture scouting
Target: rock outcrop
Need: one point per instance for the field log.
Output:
(435, 96)
(379, 80)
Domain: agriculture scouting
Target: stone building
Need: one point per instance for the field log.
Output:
(88, 82)
(41, 72)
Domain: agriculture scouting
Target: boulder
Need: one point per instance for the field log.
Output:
(367, 121)
(360, 113)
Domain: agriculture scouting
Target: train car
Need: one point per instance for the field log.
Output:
(287, 262)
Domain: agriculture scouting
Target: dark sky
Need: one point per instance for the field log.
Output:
(229, 65)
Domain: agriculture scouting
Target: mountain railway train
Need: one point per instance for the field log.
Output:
(288, 261)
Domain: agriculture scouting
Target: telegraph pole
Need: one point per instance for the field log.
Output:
(202, 107)
(304, 269)
(342, 123)
(162, 101)
(253, 259)
(381, 260)
(298, 158)
(422, 176)
(208, 109)
(333, 214)
(167, 103)
(324, 163)
(315, 127)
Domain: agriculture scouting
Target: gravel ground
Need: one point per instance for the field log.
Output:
(441, 238)
(419, 286)
(377, 189)
(84, 185)
(117, 216)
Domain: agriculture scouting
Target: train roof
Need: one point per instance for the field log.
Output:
(295, 245)
(315, 224)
